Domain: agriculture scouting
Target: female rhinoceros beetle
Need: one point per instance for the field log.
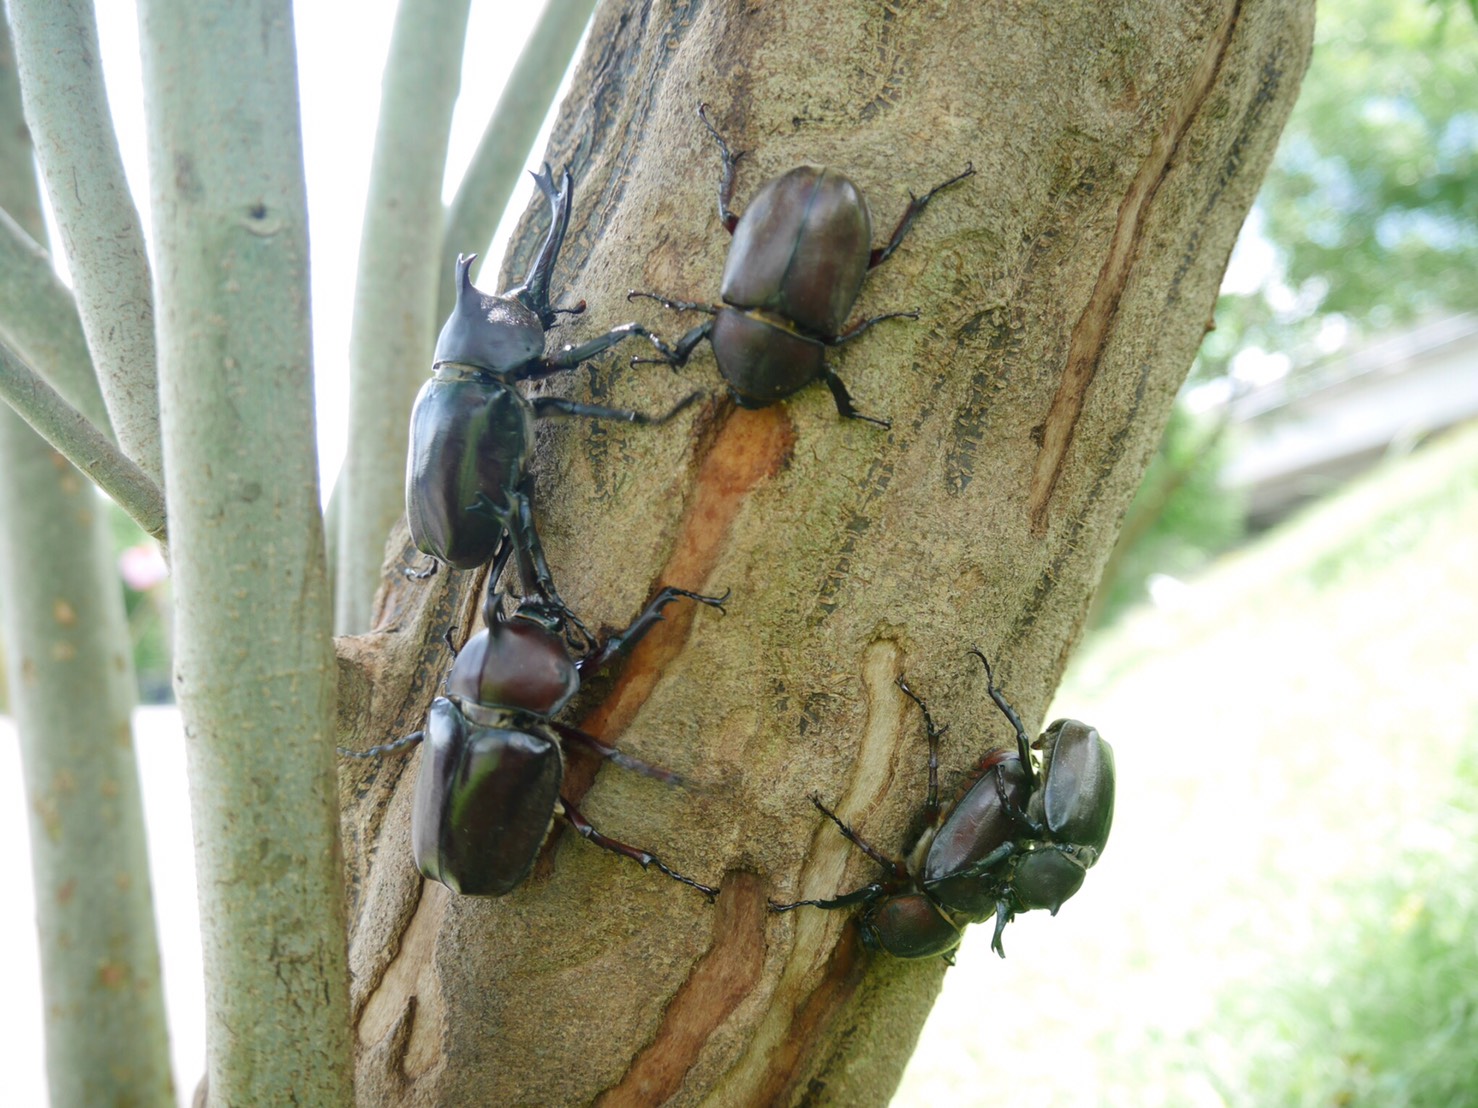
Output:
(1017, 839)
(488, 790)
(471, 436)
(794, 270)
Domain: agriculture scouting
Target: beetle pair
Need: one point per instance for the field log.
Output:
(1019, 838)
(795, 268)
(488, 790)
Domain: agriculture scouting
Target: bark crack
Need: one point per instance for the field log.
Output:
(1091, 332)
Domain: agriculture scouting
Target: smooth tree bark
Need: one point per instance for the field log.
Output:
(71, 688)
(1063, 291)
(254, 670)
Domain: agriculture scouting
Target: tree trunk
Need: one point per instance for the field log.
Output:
(1063, 292)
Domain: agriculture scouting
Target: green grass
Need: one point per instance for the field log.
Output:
(1286, 911)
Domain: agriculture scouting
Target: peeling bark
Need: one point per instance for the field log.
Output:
(1064, 290)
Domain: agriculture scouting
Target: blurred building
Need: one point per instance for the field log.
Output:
(1297, 438)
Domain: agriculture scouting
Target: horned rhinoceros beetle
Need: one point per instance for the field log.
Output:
(471, 435)
(488, 790)
(1018, 839)
(794, 270)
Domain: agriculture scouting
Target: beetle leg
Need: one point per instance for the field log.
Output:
(726, 182)
(533, 569)
(534, 292)
(1023, 744)
(619, 642)
(900, 871)
(934, 734)
(421, 574)
(843, 399)
(385, 748)
(644, 857)
(982, 866)
(545, 406)
(866, 324)
(844, 900)
(678, 355)
(611, 754)
(671, 304)
(916, 204)
(568, 357)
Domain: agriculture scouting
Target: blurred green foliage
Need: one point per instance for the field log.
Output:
(1374, 193)
(1371, 203)
(1386, 1011)
(1368, 219)
(1181, 517)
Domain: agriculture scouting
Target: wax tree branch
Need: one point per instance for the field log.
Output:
(395, 321)
(38, 317)
(254, 670)
(71, 689)
(56, 46)
(82, 444)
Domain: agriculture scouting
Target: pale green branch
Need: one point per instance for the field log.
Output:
(38, 317)
(395, 293)
(72, 693)
(80, 442)
(490, 180)
(57, 57)
(254, 662)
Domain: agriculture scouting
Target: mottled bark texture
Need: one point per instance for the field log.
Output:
(1063, 292)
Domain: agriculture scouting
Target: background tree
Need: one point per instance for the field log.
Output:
(1367, 221)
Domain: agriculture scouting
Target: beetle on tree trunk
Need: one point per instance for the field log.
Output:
(1017, 839)
(488, 790)
(794, 270)
(472, 431)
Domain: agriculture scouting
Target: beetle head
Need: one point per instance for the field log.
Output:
(514, 663)
(909, 925)
(1046, 875)
(494, 333)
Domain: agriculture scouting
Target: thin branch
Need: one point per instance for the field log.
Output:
(38, 317)
(80, 442)
(490, 180)
(395, 294)
(57, 56)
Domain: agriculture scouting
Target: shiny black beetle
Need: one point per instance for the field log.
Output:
(472, 431)
(488, 790)
(794, 270)
(1017, 839)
